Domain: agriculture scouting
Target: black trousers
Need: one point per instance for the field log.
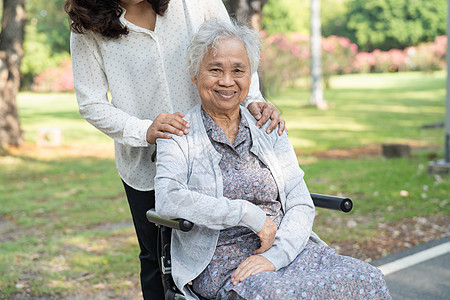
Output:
(146, 232)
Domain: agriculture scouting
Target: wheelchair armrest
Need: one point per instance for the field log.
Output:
(324, 201)
(332, 202)
(178, 224)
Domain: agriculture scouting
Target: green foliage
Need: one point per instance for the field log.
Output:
(387, 24)
(46, 39)
(50, 18)
(286, 16)
(38, 56)
(334, 18)
(283, 16)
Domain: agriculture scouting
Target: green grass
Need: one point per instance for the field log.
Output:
(46, 110)
(63, 220)
(367, 109)
(65, 225)
(383, 191)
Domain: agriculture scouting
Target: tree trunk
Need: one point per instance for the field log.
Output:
(316, 57)
(248, 12)
(11, 52)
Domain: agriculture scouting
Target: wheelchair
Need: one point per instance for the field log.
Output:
(166, 226)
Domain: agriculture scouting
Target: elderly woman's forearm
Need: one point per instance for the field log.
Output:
(207, 211)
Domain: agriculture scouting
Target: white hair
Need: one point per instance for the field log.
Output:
(214, 30)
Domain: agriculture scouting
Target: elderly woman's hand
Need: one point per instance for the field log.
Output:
(267, 236)
(262, 111)
(165, 124)
(253, 265)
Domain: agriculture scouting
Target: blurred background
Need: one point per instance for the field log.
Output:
(366, 126)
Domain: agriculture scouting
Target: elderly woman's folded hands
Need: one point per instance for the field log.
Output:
(267, 236)
(257, 263)
(253, 265)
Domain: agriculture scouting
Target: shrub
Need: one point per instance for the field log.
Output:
(338, 54)
(389, 61)
(284, 59)
(364, 62)
(428, 56)
(55, 79)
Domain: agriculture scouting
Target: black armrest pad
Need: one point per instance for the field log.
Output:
(178, 224)
(332, 202)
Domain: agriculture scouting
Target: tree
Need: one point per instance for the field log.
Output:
(387, 24)
(247, 10)
(49, 18)
(316, 57)
(334, 21)
(11, 52)
(281, 16)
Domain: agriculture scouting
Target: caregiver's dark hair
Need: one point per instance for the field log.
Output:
(102, 16)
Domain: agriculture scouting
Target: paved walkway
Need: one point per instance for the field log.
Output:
(421, 272)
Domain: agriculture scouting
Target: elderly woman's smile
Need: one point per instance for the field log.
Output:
(224, 77)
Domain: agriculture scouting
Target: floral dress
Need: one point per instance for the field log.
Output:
(317, 272)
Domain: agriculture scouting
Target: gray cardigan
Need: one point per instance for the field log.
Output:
(189, 185)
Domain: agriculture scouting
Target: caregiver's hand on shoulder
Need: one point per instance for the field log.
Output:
(165, 124)
(267, 236)
(251, 266)
(262, 111)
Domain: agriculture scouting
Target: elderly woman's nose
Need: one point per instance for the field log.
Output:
(226, 79)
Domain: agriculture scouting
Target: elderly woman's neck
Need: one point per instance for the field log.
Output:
(228, 122)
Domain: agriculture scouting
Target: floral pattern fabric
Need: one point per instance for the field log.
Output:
(317, 272)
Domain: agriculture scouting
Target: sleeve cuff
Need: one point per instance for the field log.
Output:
(253, 218)
(135, 132)
(277, 258)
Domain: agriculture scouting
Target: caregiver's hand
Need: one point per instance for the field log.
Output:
(251, 266)
(262, 111)
(267, 236)
(166, 124)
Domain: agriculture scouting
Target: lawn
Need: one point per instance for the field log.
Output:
(366, 110)
(65, 228)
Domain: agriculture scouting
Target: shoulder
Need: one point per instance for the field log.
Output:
(193, 113)
(193, 117)
(260, 133)
(87, 39)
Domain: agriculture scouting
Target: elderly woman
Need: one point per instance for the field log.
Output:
(245, 193)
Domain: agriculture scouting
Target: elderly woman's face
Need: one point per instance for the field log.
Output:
(223, 80)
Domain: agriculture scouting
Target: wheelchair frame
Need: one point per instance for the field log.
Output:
(165, 226)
